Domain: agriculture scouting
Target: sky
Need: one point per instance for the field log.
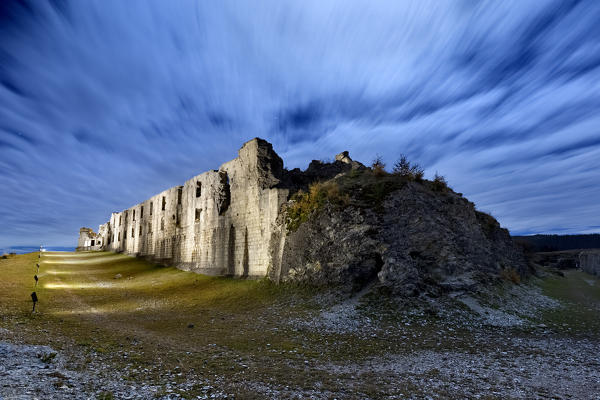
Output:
(106, 103)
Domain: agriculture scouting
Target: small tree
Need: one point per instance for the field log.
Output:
(404, 168)
(378, 166)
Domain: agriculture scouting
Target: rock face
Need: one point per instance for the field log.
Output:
(407, 235)
(420, 240)
(338, 247)
(440, 239)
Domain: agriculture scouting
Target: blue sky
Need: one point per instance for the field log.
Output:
(105, 103)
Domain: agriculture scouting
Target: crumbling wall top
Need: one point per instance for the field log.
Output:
(259, 162)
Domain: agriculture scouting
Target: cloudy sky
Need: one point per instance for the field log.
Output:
(105, 103)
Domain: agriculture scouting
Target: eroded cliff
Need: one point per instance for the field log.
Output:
(410, 236)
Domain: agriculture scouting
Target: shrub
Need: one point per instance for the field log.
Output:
(439, 183)
(417, 172)
(305, 204)
(378, 166)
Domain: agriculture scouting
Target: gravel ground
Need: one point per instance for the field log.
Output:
(38, 372)
(521, 369)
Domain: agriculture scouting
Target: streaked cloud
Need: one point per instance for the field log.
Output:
(105, 103)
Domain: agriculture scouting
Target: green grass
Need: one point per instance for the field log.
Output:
(83, 311)
(580, 295)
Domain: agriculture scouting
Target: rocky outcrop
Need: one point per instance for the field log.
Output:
(337, 247)
(418, 240)
(440, 241)
(319, 171)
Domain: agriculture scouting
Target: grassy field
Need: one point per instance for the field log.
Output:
(164, 318)
(159, 324)
(580, 294)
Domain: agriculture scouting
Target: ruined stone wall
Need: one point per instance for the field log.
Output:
(589, 261)
(89, 240)
(220, 222)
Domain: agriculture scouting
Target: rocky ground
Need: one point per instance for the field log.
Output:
(507, 357)
(40, 372)
(538, 339)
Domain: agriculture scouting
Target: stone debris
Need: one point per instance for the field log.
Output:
(29, 372)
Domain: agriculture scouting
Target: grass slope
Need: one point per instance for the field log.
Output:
(135, 317)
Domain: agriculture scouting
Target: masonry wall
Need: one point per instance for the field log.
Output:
(221, 222)
(88, 240)
(589, 261)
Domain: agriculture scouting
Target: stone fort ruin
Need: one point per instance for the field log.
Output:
(221, 222)
(410, 234)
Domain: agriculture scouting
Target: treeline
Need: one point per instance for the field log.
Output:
(560, 242)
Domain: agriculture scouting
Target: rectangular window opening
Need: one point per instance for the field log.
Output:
(151, 207)
(198, 212)
(164, 203)
(179, 193)
(142, 212)
(198, 189)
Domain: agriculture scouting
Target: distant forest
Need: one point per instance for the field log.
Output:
(560, 242)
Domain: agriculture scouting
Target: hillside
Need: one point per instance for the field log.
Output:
(413, 236)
